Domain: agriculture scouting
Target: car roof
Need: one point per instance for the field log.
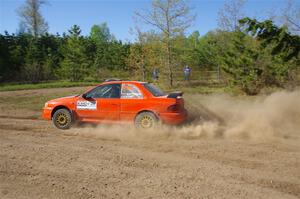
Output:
(122, 81)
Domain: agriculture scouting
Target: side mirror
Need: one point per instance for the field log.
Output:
(84, 96)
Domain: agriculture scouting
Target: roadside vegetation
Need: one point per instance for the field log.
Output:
(54, 84)
(34, 100)
(243, 55)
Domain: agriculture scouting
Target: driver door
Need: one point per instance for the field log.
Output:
(100, 104)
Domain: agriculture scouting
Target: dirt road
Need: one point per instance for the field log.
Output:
(39, 161)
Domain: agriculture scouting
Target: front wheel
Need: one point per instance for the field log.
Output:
(62, 119)
(146, 120)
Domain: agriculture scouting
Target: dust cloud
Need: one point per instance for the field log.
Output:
(220, 117)
(275, 115)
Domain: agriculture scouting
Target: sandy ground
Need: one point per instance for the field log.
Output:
(39, 161)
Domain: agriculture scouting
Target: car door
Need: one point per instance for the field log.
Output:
(101, 103)
(132, 100)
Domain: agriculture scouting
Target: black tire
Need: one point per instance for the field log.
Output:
(62, 119)
(146, 120)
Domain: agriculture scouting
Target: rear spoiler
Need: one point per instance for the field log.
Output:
(175, 94)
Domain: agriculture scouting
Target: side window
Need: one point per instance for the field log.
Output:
(105, 91)
(130, 91)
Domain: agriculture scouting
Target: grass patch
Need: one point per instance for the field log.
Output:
(34, 100)
(201, 89)
(58, 84)
(187, 88)
(29, 103)
(32, 103)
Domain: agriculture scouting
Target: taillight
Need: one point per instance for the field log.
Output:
(174, 108)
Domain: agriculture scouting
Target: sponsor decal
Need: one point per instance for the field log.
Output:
(86, 105)
(130, 91)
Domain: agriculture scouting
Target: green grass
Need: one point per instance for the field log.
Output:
(32, 103)
(35, 102)
(58, 84)
(29, 103)
(194, 87)
(205, 89)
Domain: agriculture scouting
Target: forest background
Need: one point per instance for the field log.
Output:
(243, 53)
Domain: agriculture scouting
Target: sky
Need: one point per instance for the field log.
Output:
(118, 14)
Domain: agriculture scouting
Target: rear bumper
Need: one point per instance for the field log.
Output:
(47, 113)
(174, 118)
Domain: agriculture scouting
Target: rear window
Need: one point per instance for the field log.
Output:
(154, 90)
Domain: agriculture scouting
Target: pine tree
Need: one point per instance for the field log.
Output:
(75, 63)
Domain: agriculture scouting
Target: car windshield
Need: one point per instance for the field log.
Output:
(154, 90)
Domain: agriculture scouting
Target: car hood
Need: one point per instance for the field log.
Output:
(63, 99)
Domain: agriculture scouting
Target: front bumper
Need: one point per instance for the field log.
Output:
(47, 113)
(174, 118)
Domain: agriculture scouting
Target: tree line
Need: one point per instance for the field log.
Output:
(70, 56)
(251, 53)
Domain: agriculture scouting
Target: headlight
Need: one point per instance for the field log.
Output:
(46, 104)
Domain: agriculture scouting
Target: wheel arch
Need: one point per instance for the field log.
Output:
(149, 111)
(61, 107)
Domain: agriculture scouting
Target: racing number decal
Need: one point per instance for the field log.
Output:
(86, 105)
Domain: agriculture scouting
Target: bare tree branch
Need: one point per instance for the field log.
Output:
(31, 17)
(172, 18)
(291, 16)
(230, 14)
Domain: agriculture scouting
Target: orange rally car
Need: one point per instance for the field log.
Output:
(115, 101)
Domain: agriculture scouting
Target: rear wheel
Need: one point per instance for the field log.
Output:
(62, 119)
(146, 120)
